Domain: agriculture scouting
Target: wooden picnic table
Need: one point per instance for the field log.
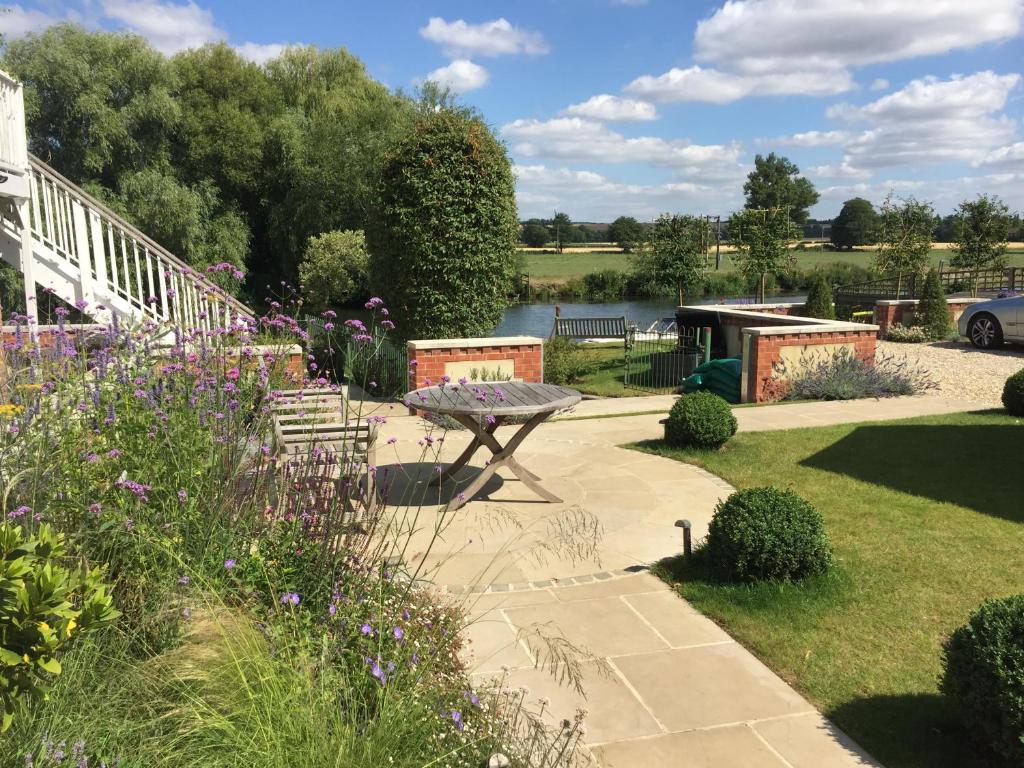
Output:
(484, 407)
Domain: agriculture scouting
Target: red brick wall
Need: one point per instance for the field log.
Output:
(426, 364)
(887, 315)
(766, 353)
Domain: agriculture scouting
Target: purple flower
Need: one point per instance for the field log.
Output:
(113, 453)
(182, 495)
(489, 418)
(366, 629)
(184, 580)
(457, 719)
(399, 633)
(92, 457)
(290, 597)
(229, 563)
(19, 512)
(95, 508)
(374, 302)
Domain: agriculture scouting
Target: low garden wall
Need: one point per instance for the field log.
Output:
(889, 312)
(771, 344)
(518, 358)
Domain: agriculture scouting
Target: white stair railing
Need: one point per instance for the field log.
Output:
(116, 265)
(13, 148)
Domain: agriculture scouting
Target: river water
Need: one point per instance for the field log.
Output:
(537, 319)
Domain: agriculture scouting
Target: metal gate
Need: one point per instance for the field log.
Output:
(380, 367)
(658, 359)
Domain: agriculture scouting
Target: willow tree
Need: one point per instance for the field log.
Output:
(905, 237)
(761, 237)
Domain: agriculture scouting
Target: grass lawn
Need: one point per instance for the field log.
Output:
(926, 517)
(608, 378)
(556, 268)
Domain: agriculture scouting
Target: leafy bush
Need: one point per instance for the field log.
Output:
(443, 236)
(1013, 393)
(932, 313)
(844, 376)
(700, 420)
(767, 533)
(44, 605)
(819, 300)
(906, 334)
(333, 269)
(984, 675)
(606, 285)
(566, 362)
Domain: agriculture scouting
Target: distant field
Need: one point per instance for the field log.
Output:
(560, 267)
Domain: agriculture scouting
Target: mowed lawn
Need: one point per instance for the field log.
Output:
(927, 520)
(556, 268)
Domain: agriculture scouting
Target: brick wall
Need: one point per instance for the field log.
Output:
(522, 357)
(766, 348)
(889, 313)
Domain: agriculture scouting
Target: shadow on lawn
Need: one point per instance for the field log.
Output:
(912, 730)
(978, 466)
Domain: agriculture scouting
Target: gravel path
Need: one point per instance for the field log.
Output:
(962, 372)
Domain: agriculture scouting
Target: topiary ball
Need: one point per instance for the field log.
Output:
(1013, 393)
(767, 534)
(699, 420)
(984, 675)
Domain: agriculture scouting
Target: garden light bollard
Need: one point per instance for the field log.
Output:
(687, 538)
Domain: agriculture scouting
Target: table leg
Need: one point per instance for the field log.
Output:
(502, 457)
(467, 454)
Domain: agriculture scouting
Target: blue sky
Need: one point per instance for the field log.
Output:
(637, 107)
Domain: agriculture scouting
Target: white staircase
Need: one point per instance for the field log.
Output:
(64, 240)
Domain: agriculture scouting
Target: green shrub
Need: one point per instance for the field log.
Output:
(606, 285)
(819, 300)
(444, 233)
(566, 362)
(43, 606)
(767, 533)
(906, 334)
(1013, 393)
(700, 420)
(933, 310)
(333, 269)
(984, 675)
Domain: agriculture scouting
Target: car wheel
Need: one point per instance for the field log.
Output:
(985, 333)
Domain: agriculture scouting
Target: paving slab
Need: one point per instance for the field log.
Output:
(812, 741)
(733, 747)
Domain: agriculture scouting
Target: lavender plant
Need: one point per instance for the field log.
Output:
(842, 375)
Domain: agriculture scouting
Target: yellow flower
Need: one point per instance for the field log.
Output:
(71, 626)
(10, 409)
(29, 387)
(44, 627)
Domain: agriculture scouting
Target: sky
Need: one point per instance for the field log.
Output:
(639, 107)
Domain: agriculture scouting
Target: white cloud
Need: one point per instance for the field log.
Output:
(712, 85)
(808, 47)
(1009, 157)
(462, 76)
(809, 139)
(607, 107)
(931, 121)
(943, 194)
(879, 84)
(576, 139)
(170, 27)
(261, 53)
(838, 171)
(758, 36)
(17, 22)
(460, 39)
(591, 196)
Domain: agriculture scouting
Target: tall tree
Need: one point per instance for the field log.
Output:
(535, 235)
(981, 227)
(775, 183)
(97, 104)
(761, 238)
(626, 232)
(561, 230)
(905, 237)
(443, 237)
(856, 224)
(674, 256)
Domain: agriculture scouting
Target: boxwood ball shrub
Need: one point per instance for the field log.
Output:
(984, 675)
(700, 420)
(767, 534)
(1013, 393)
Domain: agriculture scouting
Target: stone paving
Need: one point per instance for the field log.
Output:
(665, 686)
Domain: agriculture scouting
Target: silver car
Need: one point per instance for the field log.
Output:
(988, 323)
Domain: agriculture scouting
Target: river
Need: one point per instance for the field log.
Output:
(537, 319)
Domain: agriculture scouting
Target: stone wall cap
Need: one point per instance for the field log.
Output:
(828, 327)
(949, 300)
(730, 309)
(493, 341)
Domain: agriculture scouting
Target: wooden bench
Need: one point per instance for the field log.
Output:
(616, 328)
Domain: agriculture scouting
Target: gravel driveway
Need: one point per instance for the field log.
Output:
(962, 372)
